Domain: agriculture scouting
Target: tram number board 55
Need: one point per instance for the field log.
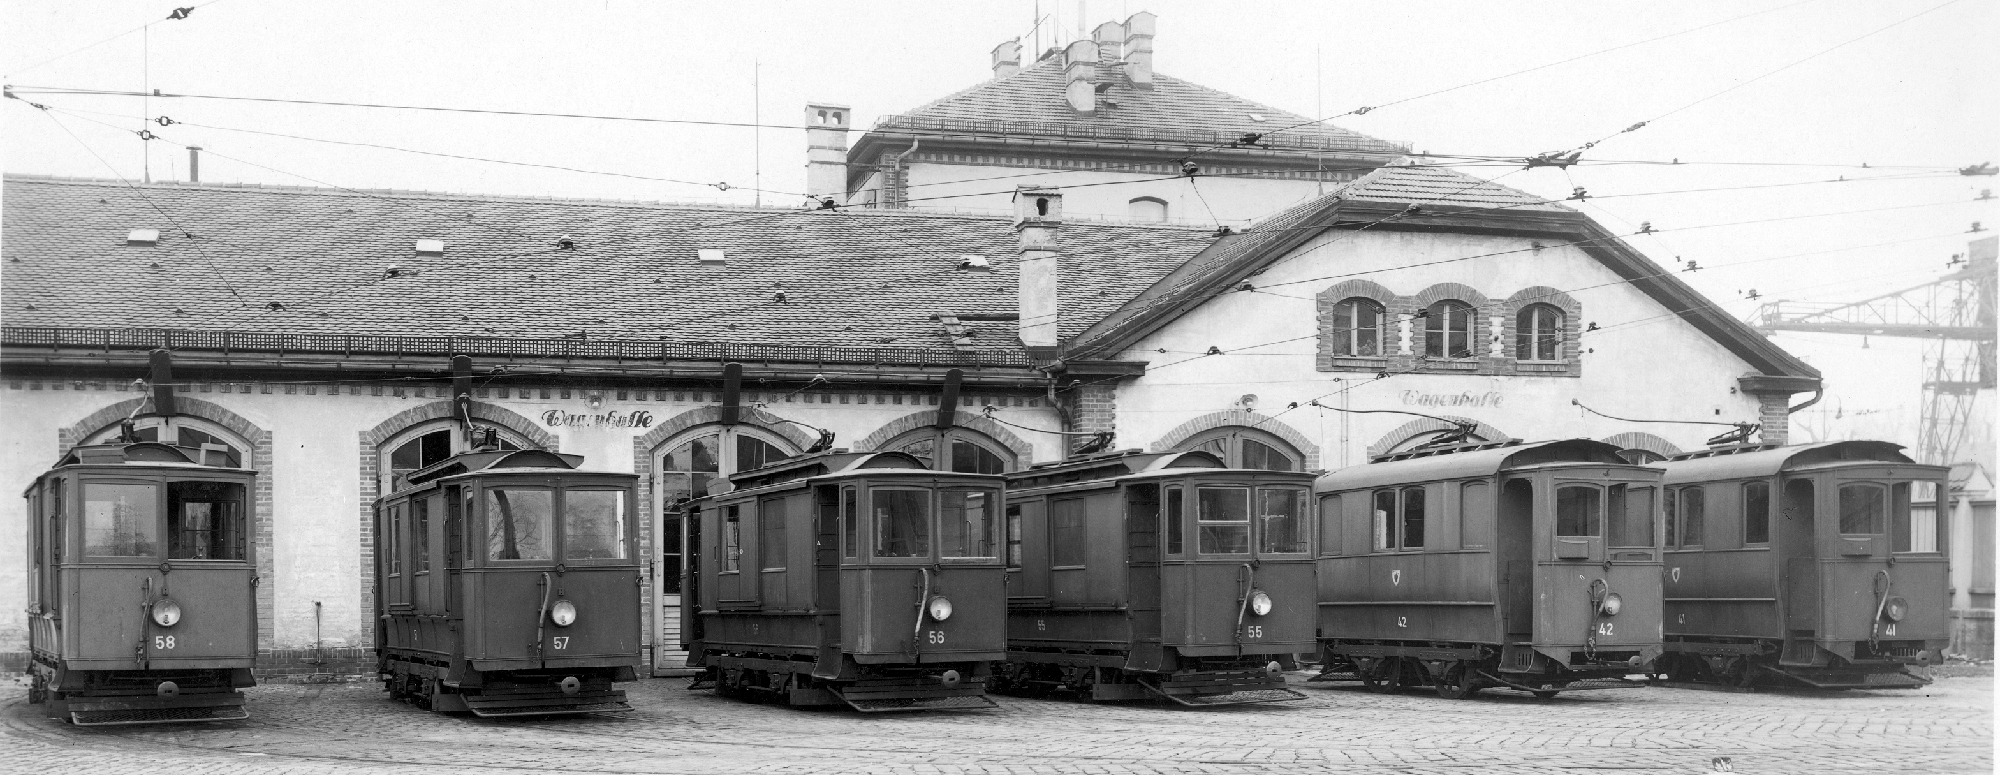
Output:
(1253, 631)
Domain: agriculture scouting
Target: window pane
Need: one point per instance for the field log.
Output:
(849, 524)
(1670, 500)
(1924, 514)
(120, 520)
(1579, 511)
(965, 528)
(1357, 328)
(594, 524)
(1066, 532)
(392, 544)
(1694, 505)
(732, 540)
(1757, 513)
(1264, 457)
(1013, 536)
(687, 469)
(205, 521)
(970, 458)
(1631, 513)
(1861, 507)
(672, 561)
(1280, 526)
(1475, 515)
(902, 523)
(1218, 446)
(755, 453)
(1899, 517)
(426, 509)
(518, 523)
(1224, 515)
(1330, 519)
(1176, 522)
(771, 546)
(922, 449)
(1385, 511)
(1413, 518)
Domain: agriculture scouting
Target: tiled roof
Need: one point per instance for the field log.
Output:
(1437, 185)
(1035, 96)
(850, 278)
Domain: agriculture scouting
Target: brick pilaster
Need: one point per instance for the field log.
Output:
(1093, 409)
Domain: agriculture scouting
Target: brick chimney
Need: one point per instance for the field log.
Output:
(1080, 73)
(1007, 59)
(1037, 214)
(826, 150)
(1139, 49)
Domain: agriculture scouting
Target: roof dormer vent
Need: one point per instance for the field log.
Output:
(972, 263)
(144, 238)
(711, 257)
(430, 247)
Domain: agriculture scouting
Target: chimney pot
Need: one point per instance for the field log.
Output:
(1080, 77)
(1038, 213)
(194, 164)
(1007, 59)
(1139, 49)
(1110, 37)
(826, 150)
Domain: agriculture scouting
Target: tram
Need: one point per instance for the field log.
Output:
(142, 601)
(847, 578)
(1816, 565)
(507, 584)
(1138, 575)
(1533, 567)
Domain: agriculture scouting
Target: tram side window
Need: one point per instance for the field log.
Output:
(1861, 507)
(56, 515)
(1475, 515)
(518, 523)
(1176, 521)
(965, 526)
(1330, 519)
(1384, 516)
(1280, 525)
(593, 524)
(1630, 511)
(1014, 537)
(771, 530)
(1579, 511)
(1066, 532)
(850, 542)
(1757, 513)
(420, 538)
(1413, 518)
(392, 542)
(1685, 508)
(121, 520)
(205, 521)
(902, 523)
(1224, 517)
(1914, 510)
(732, 540)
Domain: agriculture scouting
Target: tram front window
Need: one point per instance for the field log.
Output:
(902, 523)
(121, 520)
(594, 525)
(1280, 529)
(518, 523)
(1224, 516)
(965, 527)
(205, 521)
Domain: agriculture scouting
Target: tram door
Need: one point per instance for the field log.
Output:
(1798, 551)
(1514, 552)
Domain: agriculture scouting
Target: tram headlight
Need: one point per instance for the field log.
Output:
(166, 612)
(563, 613)
(1895, 609)
(1611, 605)
(939, 608)
(1260, 603)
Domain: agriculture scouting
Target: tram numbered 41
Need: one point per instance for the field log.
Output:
(1532, 567)
(507, 584)
(142, 601)
(863, 579)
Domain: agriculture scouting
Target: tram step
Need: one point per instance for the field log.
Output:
(1243, 697)
(892, 704)
(1833, 679)
(546, 703)
(109, 711)
(1335, 676)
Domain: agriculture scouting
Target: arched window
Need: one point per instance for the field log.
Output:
(1148, 208)
(1448, 330)
(685, 466)
(963, 451)
(1245, 447)
(1357, 328)
(425, 445)
(213, 445)
(1538, 333)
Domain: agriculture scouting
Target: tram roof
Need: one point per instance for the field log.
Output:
(1471, 462)
(1763, 460)
(831, 463)
(1111, 465)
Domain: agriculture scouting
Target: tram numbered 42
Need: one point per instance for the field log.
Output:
(1818, 565)
(1532, 567)
(142, 600)
(863, 579)
(507, 584)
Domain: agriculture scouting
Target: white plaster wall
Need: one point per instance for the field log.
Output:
(316, 504)
(1235, 200)
(1659, 368)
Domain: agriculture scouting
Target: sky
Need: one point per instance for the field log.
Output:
(1789, 95)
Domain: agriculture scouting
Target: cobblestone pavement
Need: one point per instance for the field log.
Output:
(351, 728)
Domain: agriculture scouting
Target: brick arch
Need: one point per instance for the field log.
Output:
(1541, 294)
(1023, 452)
(709, 415)
(1442, 291)
(1246, 419)
(1645, 441)
(260, 451)
(1403, 432)
(1367, 289)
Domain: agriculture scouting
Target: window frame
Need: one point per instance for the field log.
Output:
(1346, 342)
(1743, 503)
(1437, 329)
(944, 452)
(1082, 527)
(628, 543)
(1249, 521)
(875, 532)
(1302, 521)
(487, 523)
(1232, 438)
(1882, 514)
(1532, 330)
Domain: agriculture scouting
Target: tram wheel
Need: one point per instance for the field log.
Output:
(1546, 694)
(1386, 678)
(1458, 682)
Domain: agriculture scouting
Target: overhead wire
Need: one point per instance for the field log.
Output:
(176, 16)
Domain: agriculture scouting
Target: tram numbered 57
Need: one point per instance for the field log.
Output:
(143, 581)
